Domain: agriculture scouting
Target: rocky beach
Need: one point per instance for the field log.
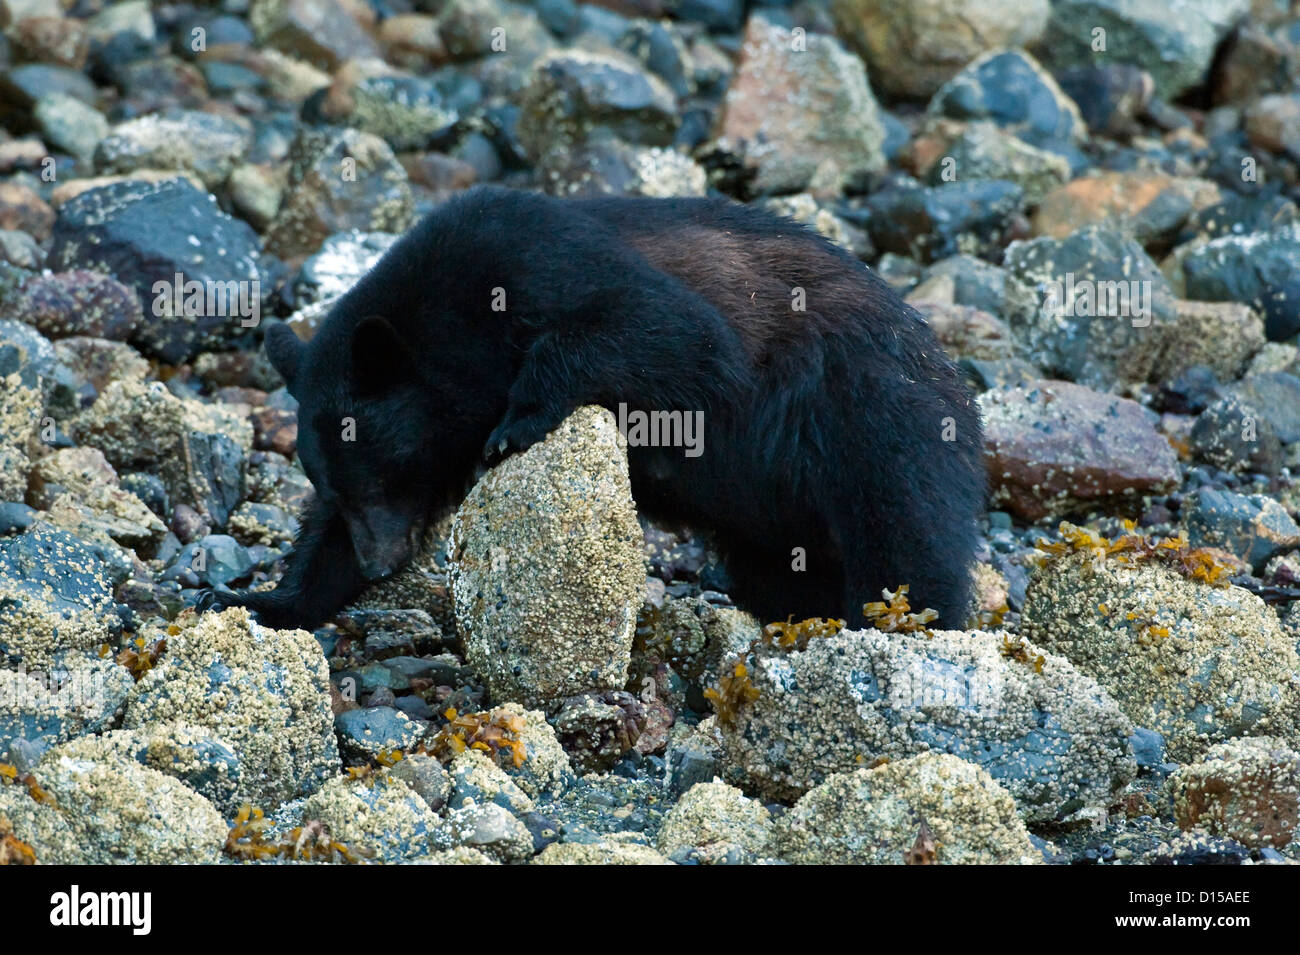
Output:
(1094, 205)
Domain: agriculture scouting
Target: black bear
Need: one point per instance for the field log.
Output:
(840, 453)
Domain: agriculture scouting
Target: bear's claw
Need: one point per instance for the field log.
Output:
(216, 598)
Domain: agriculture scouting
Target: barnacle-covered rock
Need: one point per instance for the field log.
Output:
(20, 411)
(716, 821)
(264, 692)
(339, 179)
(198, 450)
(80, 489)
(929, 809)
(599, 853)
(1245, 789)
(1197, 663)
(77, 695)
(546, 564)
(204, 143)
(374, 730)
(462, 855)
(378, 815)
(426, 776)
(487, 827)
(597, 729)
(102, 808)
(56, 593)
(1045, 732)
(521, 742)
(476, 778)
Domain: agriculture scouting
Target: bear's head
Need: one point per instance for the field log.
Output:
(362, 415)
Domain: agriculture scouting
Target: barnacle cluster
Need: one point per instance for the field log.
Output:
(894, 613)
(13, 851)
(1194, 563)
(1150, 631)
(311, 842)
(10, 774)
(735, 688)
(495, 732)
(1016, 649)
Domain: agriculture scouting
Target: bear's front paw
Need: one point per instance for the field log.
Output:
(513, 435)
(217, 598)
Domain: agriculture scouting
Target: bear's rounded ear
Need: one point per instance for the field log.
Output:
(379, 356)
(284, 349)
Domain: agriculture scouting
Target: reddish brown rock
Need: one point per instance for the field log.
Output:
(1124, 201)
(60, 41)
(1054, 447)
(1245, 789)
(21, 208)
(275, 429)
(802, 119)
(915, 47)
(1273, 123)
(78, 303)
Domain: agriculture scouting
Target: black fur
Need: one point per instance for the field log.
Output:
(824, 428)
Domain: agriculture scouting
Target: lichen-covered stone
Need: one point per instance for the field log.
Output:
(883, 815)
(265, 692)
(1225, 668)
(546, 566)
(1044, 731)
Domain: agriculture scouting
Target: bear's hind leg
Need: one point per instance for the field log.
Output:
(768, 582)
